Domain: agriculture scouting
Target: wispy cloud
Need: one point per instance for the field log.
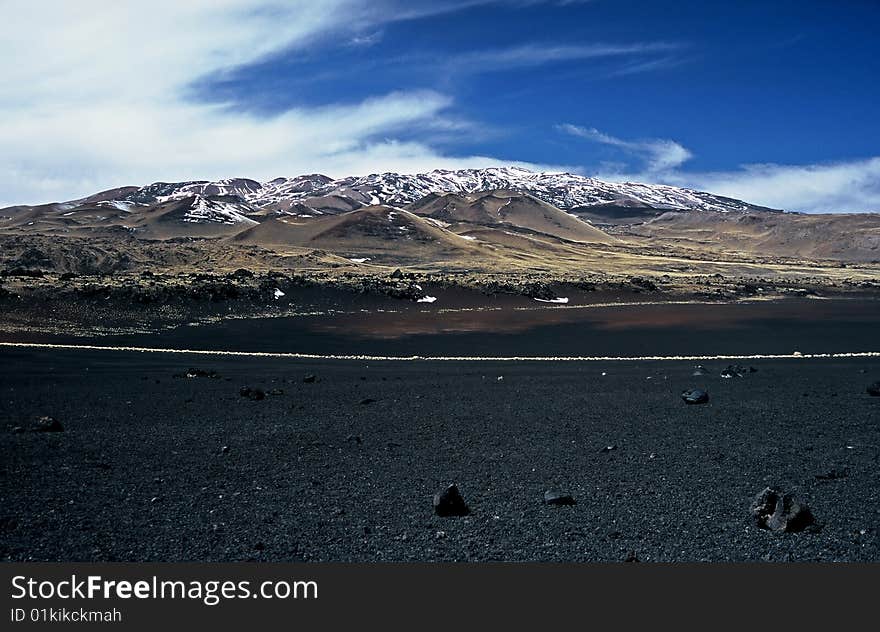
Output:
(659, 155)
(539, 54)
(847, 186)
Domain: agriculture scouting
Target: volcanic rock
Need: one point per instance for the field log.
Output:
(201, 373)
(449, 502)
(695, 396)
(254, 394)
(553, 497)
(735, 370)
(783, 513)
(48, 424)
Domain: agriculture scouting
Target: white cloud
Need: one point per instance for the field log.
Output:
(530, 55)
(659, 155)
(849, 186)
(852, 186)
(95, 94)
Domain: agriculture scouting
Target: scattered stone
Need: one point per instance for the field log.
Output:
(253, 394)
(735, 370)
(874, 389)
(48, 424)
(700, 371)
(609, 448)
(833, 475)
(356, 438)
(695, 396)
(553, 497)
(645, 284)
(449, 502)
(17, 430)
(276, 391)
(397, 274)
(310, 379)
(191, 373)
(224, 450)
(779, 512)
(367, 400)
(631, 557)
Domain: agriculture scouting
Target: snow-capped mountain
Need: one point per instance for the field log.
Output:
(566, 191)
(203, 208)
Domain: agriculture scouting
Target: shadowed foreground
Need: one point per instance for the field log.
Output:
(317, 471)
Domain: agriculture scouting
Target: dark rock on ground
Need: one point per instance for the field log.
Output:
(874, 389)
(201, 373)
(309, 379)
(631, 557)
(833, 474)
(643, 283)
(254, 394)
(695, 396)
(780, 512)
(366, 400)
(48, 424)
(552, 497)
(735, 370)
(449, 502)
(700, 371)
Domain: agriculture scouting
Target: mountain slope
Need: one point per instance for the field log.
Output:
(510, 210)
(374, 231)
(844, 237)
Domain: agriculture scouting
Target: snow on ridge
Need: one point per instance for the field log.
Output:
(204, 210)
(564, 190)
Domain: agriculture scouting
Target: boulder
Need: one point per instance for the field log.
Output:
(735, 370)
(48, 424)
(449, 502)
(553, 497)
(776, 511)
(695, 396)
(253, 394)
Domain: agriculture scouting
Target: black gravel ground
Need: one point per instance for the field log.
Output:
(321, 472)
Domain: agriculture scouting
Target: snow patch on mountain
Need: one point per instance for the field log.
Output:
(215, 211)
(567, 191)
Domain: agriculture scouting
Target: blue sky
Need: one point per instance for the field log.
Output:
(772, 102)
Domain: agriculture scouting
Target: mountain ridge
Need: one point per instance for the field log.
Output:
(572, 193)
